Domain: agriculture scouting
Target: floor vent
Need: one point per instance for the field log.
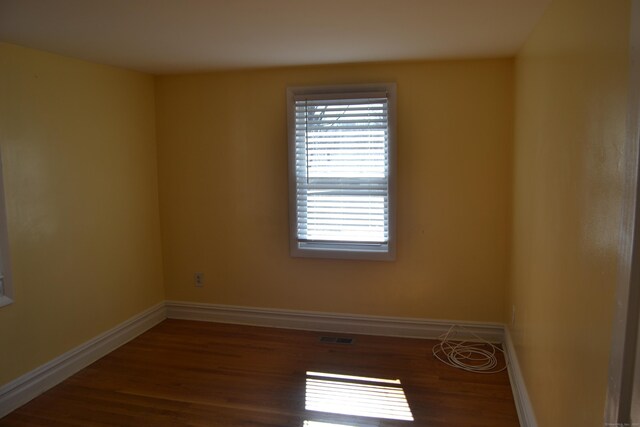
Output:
(336, 340)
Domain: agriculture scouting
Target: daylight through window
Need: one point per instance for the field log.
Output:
(342, 171)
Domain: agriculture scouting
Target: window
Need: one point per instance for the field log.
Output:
(6, 294)
(342, 171)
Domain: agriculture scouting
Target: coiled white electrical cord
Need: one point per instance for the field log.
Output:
(478, 356)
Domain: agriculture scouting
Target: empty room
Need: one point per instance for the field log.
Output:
(348, 213)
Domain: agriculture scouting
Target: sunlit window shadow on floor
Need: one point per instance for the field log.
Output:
(321, 424)
(357, 396)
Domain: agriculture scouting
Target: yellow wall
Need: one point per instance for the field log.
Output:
(222, 147)
(78, 142)
(571, 82)
(79, 157)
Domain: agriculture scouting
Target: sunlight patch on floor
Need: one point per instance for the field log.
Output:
(353, 395)
(319, 424)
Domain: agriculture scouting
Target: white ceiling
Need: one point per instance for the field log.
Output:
(171, 36)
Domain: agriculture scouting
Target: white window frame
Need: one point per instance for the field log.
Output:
(331, 250)
(6, 285)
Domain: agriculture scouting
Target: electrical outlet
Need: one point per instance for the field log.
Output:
(198, 280)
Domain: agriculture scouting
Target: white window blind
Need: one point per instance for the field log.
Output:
(342, 171)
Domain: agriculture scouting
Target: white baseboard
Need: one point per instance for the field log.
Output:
(329, 322)
(23, 389)
(359, 324)
(32, 384)
(520, 394)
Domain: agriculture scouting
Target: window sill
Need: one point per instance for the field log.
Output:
(298, 252)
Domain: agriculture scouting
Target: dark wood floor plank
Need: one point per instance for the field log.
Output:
(186, 373)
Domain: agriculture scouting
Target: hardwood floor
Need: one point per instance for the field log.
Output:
(186, 373)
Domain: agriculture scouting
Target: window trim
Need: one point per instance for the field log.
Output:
(342, 251)
(6, 291)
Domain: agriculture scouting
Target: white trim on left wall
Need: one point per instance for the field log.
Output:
(33, 383)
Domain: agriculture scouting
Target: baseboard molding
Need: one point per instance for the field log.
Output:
(23, 389)
(327, 322)
(520, 394)
(359, 324)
